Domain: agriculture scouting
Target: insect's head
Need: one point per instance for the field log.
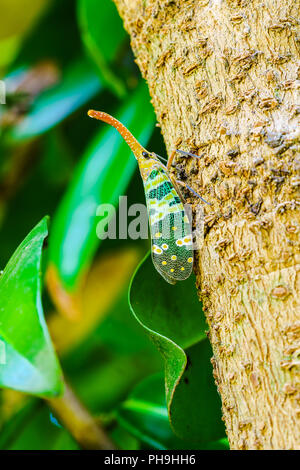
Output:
(146, 161)
(147, 156)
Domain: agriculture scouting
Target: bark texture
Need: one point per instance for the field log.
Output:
(224, 79)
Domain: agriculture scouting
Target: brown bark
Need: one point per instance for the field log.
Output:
(223, 76)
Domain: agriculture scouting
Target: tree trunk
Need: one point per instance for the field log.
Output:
(223, 76)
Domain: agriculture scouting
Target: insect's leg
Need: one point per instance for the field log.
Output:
(170, 159)
(181, 183)
(186, 154)
(160, 157)
(182, 154)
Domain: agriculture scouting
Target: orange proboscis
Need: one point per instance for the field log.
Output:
(135, 146)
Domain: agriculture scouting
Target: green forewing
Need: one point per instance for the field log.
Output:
(170, 229)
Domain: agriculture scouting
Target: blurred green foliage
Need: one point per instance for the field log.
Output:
(58, 60)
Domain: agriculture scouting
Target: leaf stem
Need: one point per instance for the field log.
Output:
(79, 422)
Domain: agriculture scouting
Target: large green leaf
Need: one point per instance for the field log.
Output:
(78, 85)
(101, 177)
(28, 361)
(173, 317)
(145, 415)
(97, 22)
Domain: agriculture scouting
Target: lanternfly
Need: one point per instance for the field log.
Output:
(170, 228)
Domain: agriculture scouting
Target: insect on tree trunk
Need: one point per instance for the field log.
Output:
(223, 76)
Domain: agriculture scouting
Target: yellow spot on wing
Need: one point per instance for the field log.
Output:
(156, 250)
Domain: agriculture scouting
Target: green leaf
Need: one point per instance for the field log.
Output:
(195, 407)
(174, 320)
(145, 415)
(39, 432)
(103, 385)
(28, 361)
(100, 178)
(78, 85)
(123, 439)
(11, 427)
(97, 22)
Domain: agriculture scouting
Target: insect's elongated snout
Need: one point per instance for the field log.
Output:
(135, 146)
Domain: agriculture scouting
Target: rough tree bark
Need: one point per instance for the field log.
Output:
(223, 76)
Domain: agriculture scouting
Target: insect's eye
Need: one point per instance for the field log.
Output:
(146, 155)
